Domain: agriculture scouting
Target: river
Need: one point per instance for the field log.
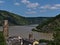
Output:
(24, 31)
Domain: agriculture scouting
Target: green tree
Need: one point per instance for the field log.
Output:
(56, 36)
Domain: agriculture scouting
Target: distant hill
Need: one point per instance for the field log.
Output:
(50, 25)
(37, 20)
(15, 19)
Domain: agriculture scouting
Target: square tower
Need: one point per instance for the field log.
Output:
(5, 28)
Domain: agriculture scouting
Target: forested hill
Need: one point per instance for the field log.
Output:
(15, 19)
(37, 20)
(50, 25)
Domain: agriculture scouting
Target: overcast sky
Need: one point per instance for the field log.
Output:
(32, 8)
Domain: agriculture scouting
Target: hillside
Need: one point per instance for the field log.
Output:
(13, 19)
(50, 25)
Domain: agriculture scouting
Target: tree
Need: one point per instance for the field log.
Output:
(56, 36)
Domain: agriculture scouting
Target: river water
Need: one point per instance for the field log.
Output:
(24, 32)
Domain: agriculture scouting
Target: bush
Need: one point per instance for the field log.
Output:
(43, 40)
(2, 40)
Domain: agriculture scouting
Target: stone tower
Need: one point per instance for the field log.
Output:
(5, 28)
(30, 36)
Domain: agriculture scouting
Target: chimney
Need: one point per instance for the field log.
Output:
(5, 28)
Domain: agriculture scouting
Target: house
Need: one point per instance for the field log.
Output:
(20, 41)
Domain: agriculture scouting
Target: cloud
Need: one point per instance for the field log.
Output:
(30, 4)
(29, 9)
(31, 12)
(52, 7)
(42, 10)
(2, 2)
(57, 5)
(25, 1)
(45, 7)
(17, 4)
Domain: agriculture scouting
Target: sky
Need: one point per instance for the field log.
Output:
(32, 8)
